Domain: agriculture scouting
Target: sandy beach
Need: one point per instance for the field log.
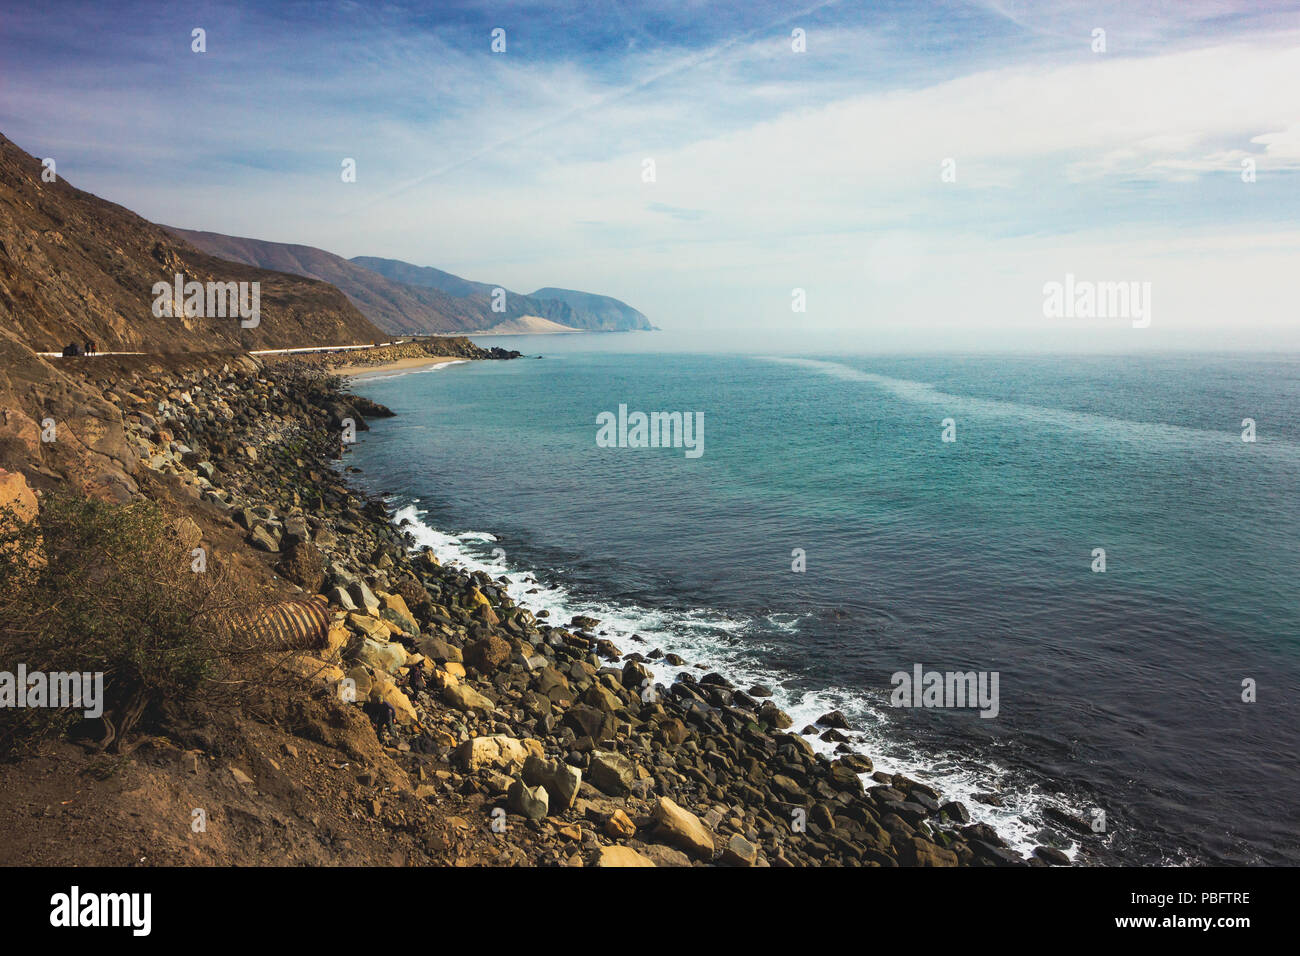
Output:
(401, 365)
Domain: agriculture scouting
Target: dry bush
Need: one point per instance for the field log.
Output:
(90, 586)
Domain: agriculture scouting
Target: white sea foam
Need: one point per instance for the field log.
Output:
(729, 646)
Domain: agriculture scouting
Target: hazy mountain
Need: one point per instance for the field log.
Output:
(579, 310)
(596, 311)
(424, 276)
(402, 298)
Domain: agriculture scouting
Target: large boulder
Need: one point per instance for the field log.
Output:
(739, 852)
(611, 773)
(675, 732)
(393, 608)
(339, 596)
(921, 852)
(843, 778)
(295, 529)
(498, 752)
(436, 649)
(336, 639)
(480, 608)
(553, 684)
(464, 697)
(771, 714)
(395, 603)
(619, 826)
(369, 626)
(529, 802)
(682, 829)
(661, 855)
(833, 719)
(364, 598)
(621, 856)
(398, 625)
(588, 722)
(401, 704)
(560, 780)
(263, 540)
(603, 699)
(361, 680)
(17, 500)
(382, 656)
(636, 675)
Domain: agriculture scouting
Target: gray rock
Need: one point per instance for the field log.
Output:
(435, 648)
(464, 697)
(295, 530)
(364, 597)
(560, 780)
(635, 674)
(1051, 856)
(955, 810)
(739, 852)
(771, 714)
(833, 719)
(611, 773)
(264, 540)
(530, 802)
(340, 596)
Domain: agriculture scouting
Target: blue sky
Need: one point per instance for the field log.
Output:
(774, 169)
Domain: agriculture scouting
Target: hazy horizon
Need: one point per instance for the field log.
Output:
(823, 342)
(921, 173)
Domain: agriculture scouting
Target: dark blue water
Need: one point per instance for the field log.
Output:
(1119, 691)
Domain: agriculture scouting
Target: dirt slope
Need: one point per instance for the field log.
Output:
(74, 266)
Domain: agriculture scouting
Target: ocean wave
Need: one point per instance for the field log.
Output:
(735, 647)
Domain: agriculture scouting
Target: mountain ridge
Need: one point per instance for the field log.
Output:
(406, 299)
(577, 311)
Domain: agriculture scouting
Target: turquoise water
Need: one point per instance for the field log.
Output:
(1119, 691)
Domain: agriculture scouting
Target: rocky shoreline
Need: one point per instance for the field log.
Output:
(554, 737)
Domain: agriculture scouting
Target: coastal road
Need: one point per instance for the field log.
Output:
(309, 348)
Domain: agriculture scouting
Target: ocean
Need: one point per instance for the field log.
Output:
(827, 538)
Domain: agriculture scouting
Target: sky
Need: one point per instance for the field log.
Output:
(920, 171)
